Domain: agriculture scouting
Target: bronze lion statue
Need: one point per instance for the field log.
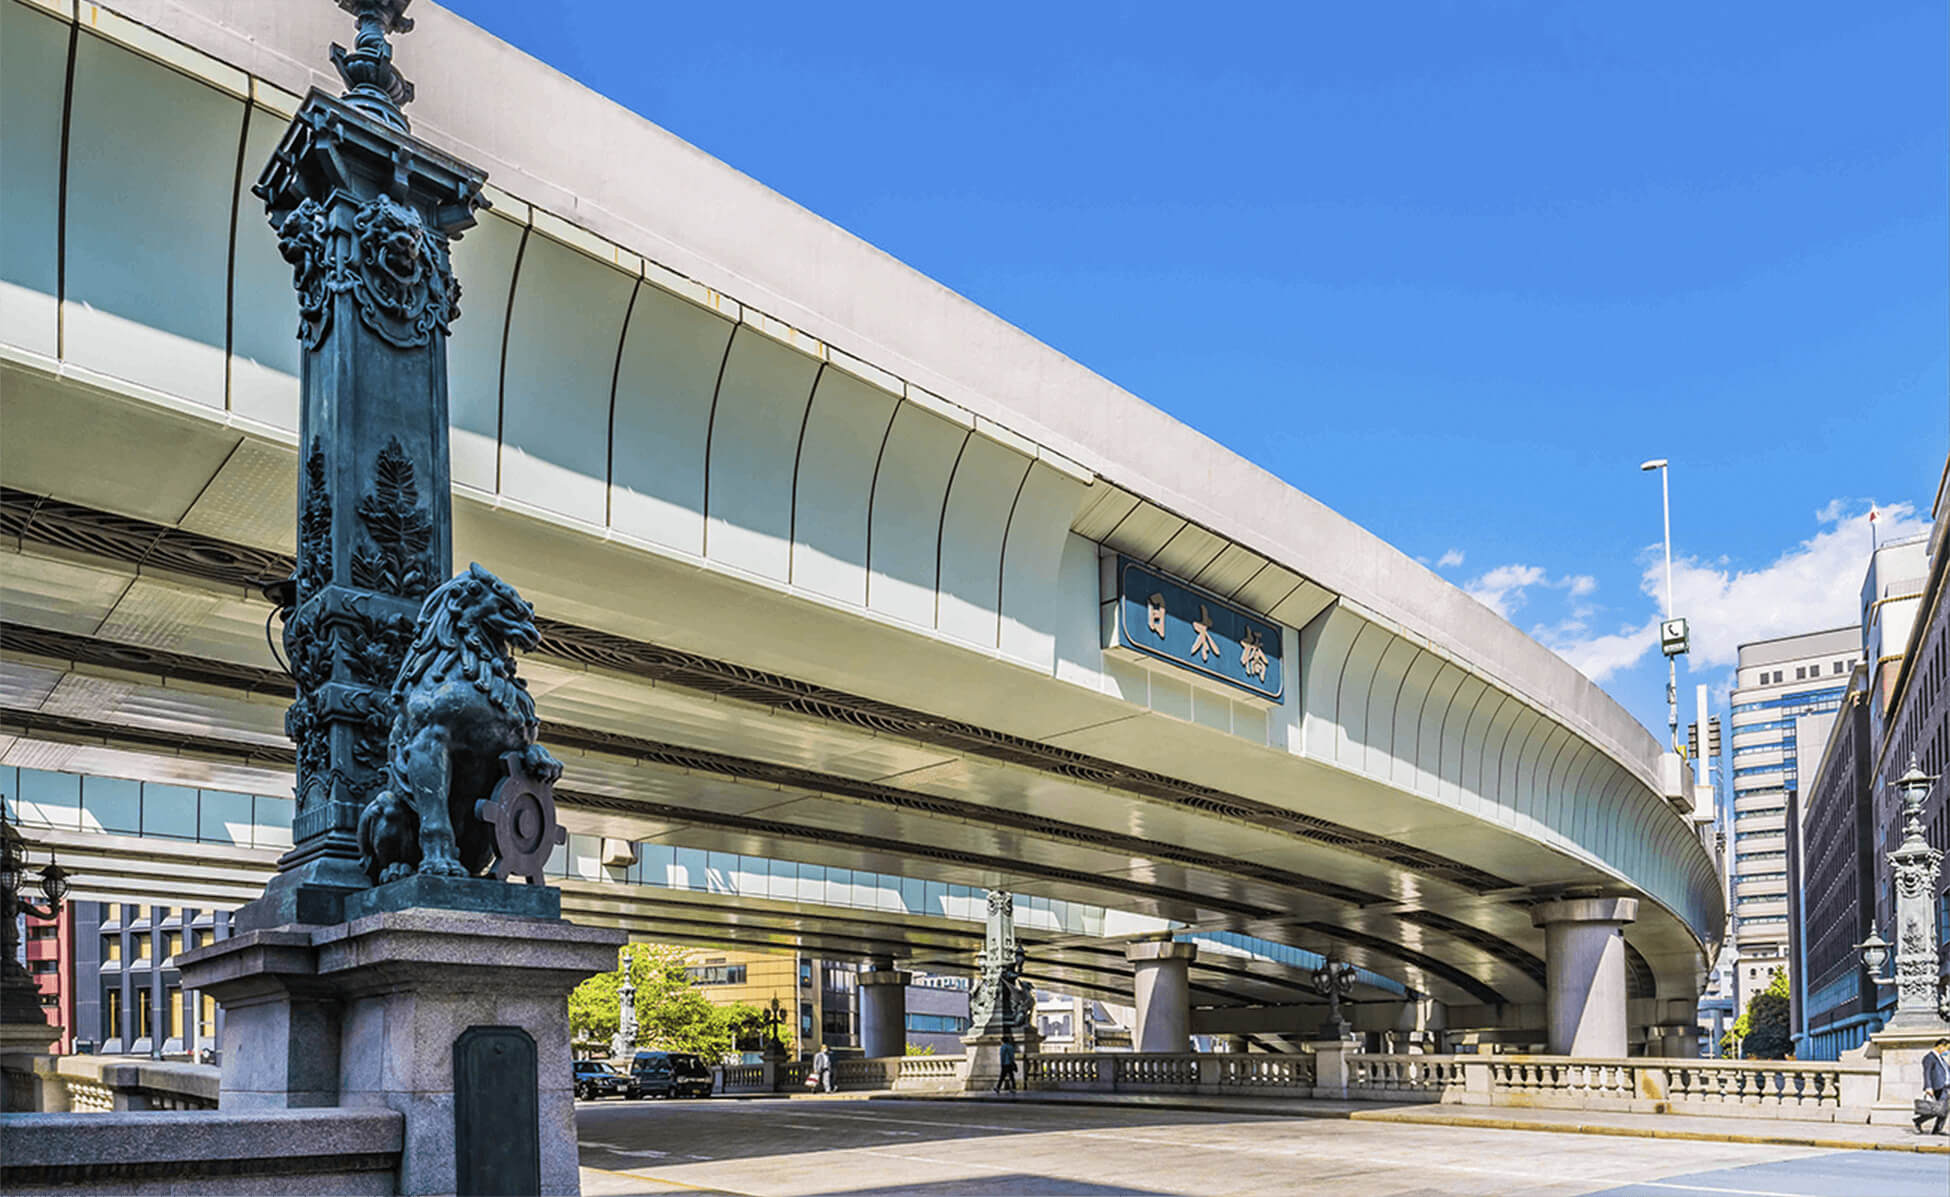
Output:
(463, 723)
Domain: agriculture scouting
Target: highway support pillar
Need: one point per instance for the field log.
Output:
(1163, 990)
(883, 1009)
(1584, 964)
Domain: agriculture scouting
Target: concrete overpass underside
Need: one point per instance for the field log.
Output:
(819, 551)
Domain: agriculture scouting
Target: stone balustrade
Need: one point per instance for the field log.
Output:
(869, 1072)
(1809, 1090)
(1169, 1072)
(930, 1074)
(117, 1084)
(1250, 1072)
(918, 1074)
(743, 1078)
(1389, 1077)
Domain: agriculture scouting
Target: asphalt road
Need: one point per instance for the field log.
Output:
(781, 1148)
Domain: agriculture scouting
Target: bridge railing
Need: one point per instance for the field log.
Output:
(930, 1074)
(114, 1084)
(917, 1074)
(1391, 1077)
(1815, 1090)
(1169, 1072)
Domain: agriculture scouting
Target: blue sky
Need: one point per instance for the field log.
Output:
(1453, 269)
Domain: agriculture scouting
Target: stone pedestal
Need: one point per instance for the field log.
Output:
(1330, 1069)
(380, 1011)
(985, 1058)
(1584, 961)
(883, 1012)
(1164, 996)
(1900, 1052)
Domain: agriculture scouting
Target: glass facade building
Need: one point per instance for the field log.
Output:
(1784, 700)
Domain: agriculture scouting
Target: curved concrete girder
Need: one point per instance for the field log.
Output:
(61, 646)
(774, 833)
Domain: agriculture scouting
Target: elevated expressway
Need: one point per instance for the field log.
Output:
(819, 545)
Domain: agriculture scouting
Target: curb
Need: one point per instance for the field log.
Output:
(1467, 1121)
(1643, 1132)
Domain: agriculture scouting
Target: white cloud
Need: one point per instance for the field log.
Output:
(1815, 585)
(1502, 589)
(1505, 588)
(1449, 559)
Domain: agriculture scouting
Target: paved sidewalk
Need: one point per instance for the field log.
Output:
(1837, 1136)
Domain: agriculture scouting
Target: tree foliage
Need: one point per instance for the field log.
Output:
(1762, 1032)
(671, 1014)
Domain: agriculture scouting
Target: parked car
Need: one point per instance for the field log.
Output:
(594, 1079)
(670, 1074)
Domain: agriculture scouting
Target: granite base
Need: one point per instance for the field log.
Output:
(365, 1014)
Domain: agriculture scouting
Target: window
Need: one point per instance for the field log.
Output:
(112, 949)
(836, 1022)
(112, 1012)
(200, 938)
(144, 1012)
(43, 966)
(43, 931)
(936, 1024)
(1839, 666)
(805, 974)
(140, 940)
(174, 994)
(1800, 673)
(175, 945)
(717, 974)
(207, 1020)
(805, 1018)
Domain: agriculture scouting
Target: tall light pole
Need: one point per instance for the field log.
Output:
(1672, 631)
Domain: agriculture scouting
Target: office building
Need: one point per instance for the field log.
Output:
(47, 953)
(1911, 706)
(127, 996)
(1780, 681)
(1832, 1003)
(824, 998)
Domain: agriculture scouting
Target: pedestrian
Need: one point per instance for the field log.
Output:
(1007, 1077)
(1935, 1102)
(823, 1070)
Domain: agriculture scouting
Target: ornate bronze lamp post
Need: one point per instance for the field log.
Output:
(23, 1024)
(1333, 980)
(1916, 867)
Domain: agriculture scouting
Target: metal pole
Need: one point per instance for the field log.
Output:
(1672, 662)
(1665, 496)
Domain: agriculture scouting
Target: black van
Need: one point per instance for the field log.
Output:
(670, 1074)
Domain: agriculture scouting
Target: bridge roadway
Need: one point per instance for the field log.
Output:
(821, 546)
(798, 1148)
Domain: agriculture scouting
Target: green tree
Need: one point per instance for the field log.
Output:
(1762, 1031)
(671, 1014)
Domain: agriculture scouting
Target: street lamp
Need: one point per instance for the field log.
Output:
(1672, 631)
(1915, 867)
(21, 1018)
(1333, 980)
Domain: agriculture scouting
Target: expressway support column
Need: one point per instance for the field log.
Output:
(1164, 996)
(883, 1009)
(1584, 962)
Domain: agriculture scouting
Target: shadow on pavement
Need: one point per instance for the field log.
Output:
(1836, 1174)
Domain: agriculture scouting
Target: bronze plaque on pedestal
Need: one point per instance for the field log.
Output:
(497, 1128)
